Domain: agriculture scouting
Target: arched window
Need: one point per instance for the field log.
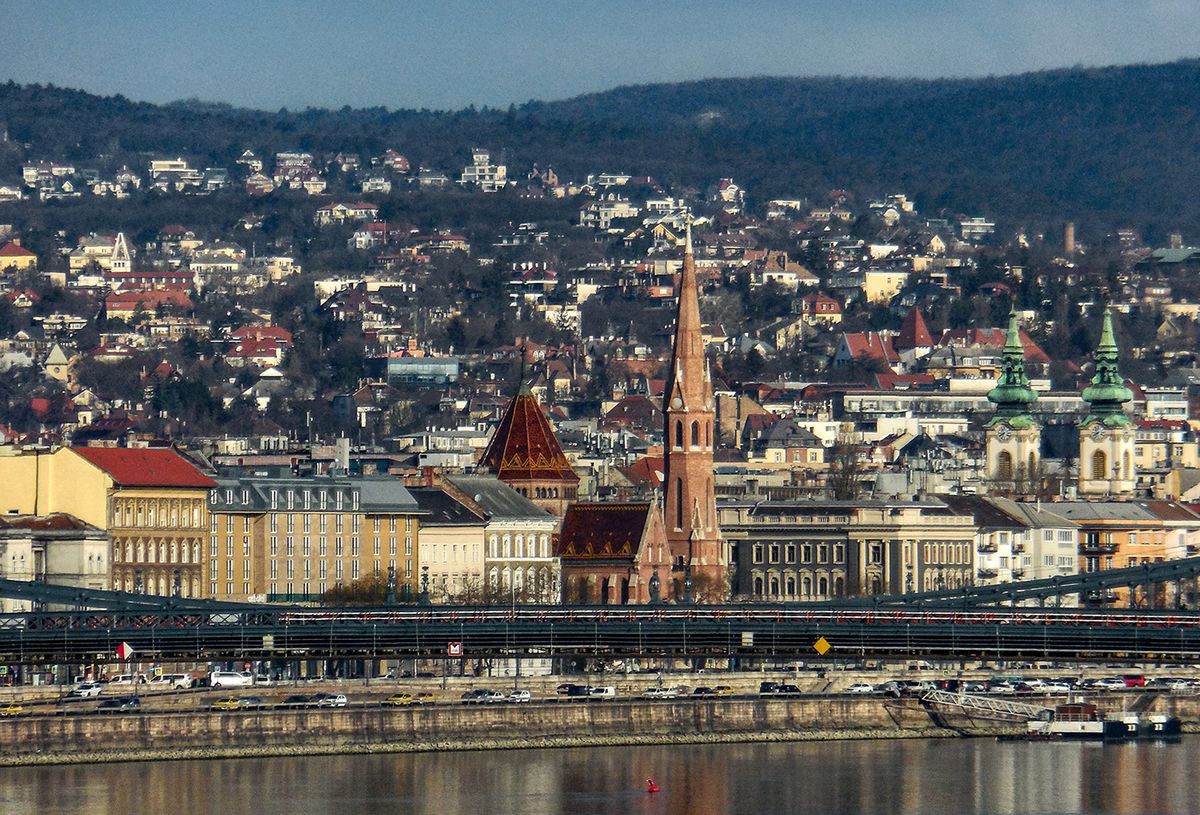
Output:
(823, 587)
(1099, 465)
(790, 583)
(806, 586)
(678, 434)
(758, 585)
(1004, 466)
(774, 585)
(506, 547)
(839, 586)
(695, 434)
(1128, 469)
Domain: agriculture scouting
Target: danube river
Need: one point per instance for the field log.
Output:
(935, 777)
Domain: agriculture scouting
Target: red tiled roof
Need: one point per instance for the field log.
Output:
(145, 467)
(647, 471)
(913, 332)
(603, 531)
(15, 250)
(264, 332)
(148, 300)
(871, 344)
(525, 447)
(994, 337)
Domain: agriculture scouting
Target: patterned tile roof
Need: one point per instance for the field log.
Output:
(603, 531)
(524, 446)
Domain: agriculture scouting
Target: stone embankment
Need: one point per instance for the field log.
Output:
(189, 734)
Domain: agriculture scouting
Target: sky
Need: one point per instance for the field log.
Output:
(447, 54)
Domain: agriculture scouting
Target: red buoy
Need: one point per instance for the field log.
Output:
(651, 786)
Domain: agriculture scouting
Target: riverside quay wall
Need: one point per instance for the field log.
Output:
(199, 734)
(50, 739)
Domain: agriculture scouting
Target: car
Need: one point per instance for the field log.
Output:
(1134, 680)
(722, 690)
(331, 700)
(659, 693)
(974, 687)
(476, 696)
(252, 703)
(296, 700)
(85, 690)
(703, 690)
(603, 692)
(768, 688)
(492, 697)
(860, 689)
(12, 709)
(400, 700)
(889, 688)
(565, 689)
(171, 681)
(228, 703)
(519, 697)
(230, 679)
(1002, 688)
(1111, 683)
(1053, 688)
(120, 704)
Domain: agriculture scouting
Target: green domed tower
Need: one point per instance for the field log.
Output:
(1013, 438)
(1106, 436)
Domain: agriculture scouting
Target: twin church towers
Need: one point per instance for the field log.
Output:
(1106, 435)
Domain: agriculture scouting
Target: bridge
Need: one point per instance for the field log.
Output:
(977, 623)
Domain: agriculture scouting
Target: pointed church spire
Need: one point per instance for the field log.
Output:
(1107, 392)
(1013, 395)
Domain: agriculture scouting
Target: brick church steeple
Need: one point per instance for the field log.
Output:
(690, 512)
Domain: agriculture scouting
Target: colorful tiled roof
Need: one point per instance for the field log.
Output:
(603, 531)
(914, 333)
(524, 446)
(15, 250)
(145, 467)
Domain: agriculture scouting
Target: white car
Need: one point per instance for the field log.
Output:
(519, 697)
(659, 693)
(861, 688)
(1111, 683)
(1055, 689)
(331, 700)
(85, 690)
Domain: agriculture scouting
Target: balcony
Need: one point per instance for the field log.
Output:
(987, 547)
(1018, 548)
(1097, 548)
(988, 574)
(1018, 572)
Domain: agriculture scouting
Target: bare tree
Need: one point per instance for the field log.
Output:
(845, 468)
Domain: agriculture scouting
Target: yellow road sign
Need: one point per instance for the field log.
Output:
(822, 646)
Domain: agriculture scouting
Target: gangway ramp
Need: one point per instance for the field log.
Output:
(984, 707)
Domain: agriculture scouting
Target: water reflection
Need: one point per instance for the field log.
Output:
(832, 778)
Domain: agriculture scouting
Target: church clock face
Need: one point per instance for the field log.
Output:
(1004, 432)
(677, 403)
(1098, 431)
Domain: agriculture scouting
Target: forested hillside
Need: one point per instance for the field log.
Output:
(1111, 146)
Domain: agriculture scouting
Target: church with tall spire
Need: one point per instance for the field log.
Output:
(1107, 436)
(1013, 438)
(698, 554)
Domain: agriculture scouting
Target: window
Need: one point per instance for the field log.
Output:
(758, 553)
(695, 434)
(678, 435)
(1004, 466)
(1099, 465)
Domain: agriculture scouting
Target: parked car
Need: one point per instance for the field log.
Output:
(125, 679)
(1054, 688)
(227, 704)
(252, 703)
(85, 690)
(519, 697)
(331, 700)
(1134, 680)
(407, 699)
(296, 700)
(703, 690)
(120, 704)
(171, 681)
(493, 697)
(230, 679)
(1111, 683)
(12, 709)
(565, 688)
(659, 693)
(476, 696)
(603, 692)
(860, 689)
(722, 690)
(888, 688)
(768, 688)
(1002, 688)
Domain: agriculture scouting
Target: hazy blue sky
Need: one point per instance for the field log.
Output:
(450, 53)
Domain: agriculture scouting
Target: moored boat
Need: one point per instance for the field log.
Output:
(1085, 720)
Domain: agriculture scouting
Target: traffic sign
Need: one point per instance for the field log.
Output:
(822, 646)
(454, 649)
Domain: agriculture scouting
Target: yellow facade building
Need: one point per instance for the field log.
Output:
(292, 538)
(150, 500)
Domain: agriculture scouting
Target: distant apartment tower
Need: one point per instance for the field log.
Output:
(1069, 239)
(482, 173)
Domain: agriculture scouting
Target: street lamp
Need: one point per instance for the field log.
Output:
(424, 599)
